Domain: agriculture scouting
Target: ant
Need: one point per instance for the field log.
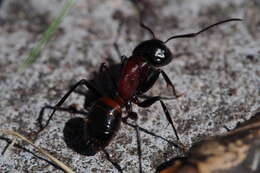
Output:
(141, 70)
(138, 74)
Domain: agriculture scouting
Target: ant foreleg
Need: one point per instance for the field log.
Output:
(169, 83)
(152, 78)
(63, 99)
(149, 82)
(152, 100)
(116, 165)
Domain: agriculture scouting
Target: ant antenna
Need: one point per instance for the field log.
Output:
(147, 28)
(197, 33)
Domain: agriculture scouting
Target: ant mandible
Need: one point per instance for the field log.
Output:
(138, 74)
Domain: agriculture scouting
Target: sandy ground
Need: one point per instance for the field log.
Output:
(219, 74)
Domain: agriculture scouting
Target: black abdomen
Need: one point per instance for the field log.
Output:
(104, 121)
(97, 130)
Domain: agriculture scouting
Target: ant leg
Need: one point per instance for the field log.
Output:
(169, 83)
(169, 118)
(149, 82)
(63, 99)
(134, 116)
(152, 78)
(115, 44)
(116, 165)
(154, 135)
(122, 57)
(68, 109)
(138, 146)
(152, 100)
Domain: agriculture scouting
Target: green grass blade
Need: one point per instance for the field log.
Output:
(46, 36)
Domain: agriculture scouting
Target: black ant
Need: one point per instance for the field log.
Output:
(138, 74)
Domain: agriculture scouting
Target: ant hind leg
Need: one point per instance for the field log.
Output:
(139, 150)
(133, 116)
(154, 135)
(64, 98)
(116, 165)
(64, 109)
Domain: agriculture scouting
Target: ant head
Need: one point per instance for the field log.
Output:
(155, 52)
